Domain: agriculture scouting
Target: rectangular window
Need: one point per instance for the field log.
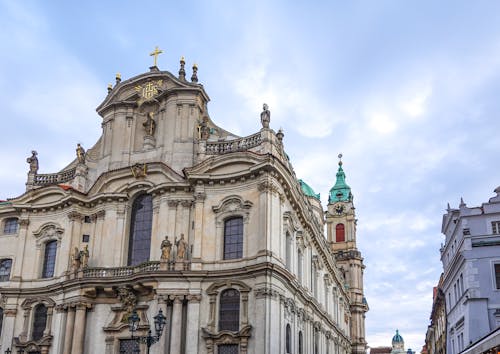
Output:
(227, 349)
(233, 238)
(85, 238)
(10, 226)
(49, 260)
(497, 275)
(5, 265)
(129, 346)
(495, 227)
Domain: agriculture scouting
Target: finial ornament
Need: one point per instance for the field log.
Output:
(182, 71)
(118, 78)
(110, 88)
(340, 159)
(155, 54)
(194, 77)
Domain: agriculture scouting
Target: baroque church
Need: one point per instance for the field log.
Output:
(173, 235)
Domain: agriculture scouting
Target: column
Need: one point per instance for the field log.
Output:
(193, 314)
(79, 329)
(200, 197)
(8, 327)
(175, 343)
(70, 322)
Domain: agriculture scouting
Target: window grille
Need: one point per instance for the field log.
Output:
(10, 226)
(39, 322)
(233, 238)
(229, 310)
(227, 349)
(49, 261)
(140, 230)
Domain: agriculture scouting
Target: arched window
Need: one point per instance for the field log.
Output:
(49, 260)
(229, 310)
(233, 238)
(10, 226)
(141, 222)
(5, 266)
(39, 322)
(288, 251)
(300, 343)
(288, 339)
(340, 233)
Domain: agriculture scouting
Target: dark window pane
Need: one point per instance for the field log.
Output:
(85, 238)
(39, 322)
(300, 342)
(140, 230)
(497, 275)
(229, 310)
(288, 339)
(10, 226)
(5, 265)
(227, 349)
(1, 320)
(49, 260)
(129, 346)
(233, 238)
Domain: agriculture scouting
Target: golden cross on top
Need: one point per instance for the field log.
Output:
(155, 54)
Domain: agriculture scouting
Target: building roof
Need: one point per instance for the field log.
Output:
(307, 190)
(397, 338)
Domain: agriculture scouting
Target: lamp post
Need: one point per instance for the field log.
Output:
(8, 351)
(149, 340)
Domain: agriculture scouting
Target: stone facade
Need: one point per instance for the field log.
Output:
(471, 281)
(70, 245)
(435, 338)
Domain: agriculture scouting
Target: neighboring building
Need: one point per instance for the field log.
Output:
(435, 339)
(471, 281)
(246, 267)
(381, 350)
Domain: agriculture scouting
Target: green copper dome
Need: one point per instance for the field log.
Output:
(307, 190)
(397, 338)
(340, 192)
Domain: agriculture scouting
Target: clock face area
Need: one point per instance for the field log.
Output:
(339, 209)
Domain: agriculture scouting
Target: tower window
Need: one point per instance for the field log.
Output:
(340, 233)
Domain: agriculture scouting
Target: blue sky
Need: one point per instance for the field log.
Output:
(408, 91)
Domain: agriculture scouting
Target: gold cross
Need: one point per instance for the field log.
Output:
(155, 53)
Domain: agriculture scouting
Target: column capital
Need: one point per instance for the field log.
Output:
(194, 297)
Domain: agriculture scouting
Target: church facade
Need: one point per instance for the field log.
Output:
(170, 212)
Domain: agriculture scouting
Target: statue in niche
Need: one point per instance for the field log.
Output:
(181, 248)
(33, 161)
(204, 129)
(166, 248)
(80, 154)
(128, 300)
(75, 263)
(84, 257)
(150, 124)
(265, 116)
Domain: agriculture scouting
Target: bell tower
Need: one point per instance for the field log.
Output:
(341, 231)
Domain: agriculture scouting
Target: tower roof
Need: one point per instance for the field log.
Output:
(340, 192)
(397, 338)
(307, 190)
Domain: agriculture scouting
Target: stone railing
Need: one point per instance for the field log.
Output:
(242, 144)
(103, 272)
(54, 178)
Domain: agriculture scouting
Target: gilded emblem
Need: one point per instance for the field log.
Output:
(139, 170)
(148, 91)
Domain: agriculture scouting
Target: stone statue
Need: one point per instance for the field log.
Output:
(75, 265)
(80, 154)
(127, 298)
(33, 161)
(84, 257)
(149, 124)
(181, 248)
(204, 129)
(166, 247)
(265, 116)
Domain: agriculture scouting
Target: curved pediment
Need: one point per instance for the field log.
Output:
(227, 166)
(44, 196)
(148, 86)
(138, 176)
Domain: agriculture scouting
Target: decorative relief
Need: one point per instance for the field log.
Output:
(139, 170)
(266, 292)
(50, 231)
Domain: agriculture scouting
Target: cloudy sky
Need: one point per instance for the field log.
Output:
(408, 91)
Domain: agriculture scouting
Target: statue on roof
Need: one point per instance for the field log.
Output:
(166, 247)
(265, 116)
(204, 129)
(181, 247)
(33, 161)
(80, 154)
(150, 124)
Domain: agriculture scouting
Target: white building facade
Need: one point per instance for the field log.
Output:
(170, 211)
(471, 281)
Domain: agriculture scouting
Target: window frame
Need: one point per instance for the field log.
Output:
(496, 275)
(45, 269)
(10, 269)
(5, 225)
(135, 236)
(495, 227)
(239, 244)
(233, 327)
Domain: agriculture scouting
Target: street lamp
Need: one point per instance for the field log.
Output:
(8, 351)
(149, 340)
